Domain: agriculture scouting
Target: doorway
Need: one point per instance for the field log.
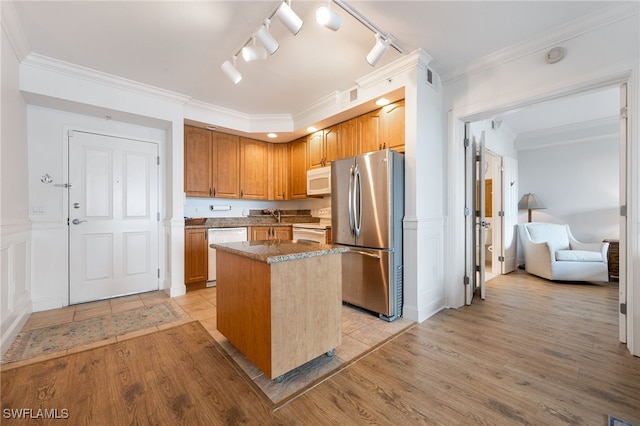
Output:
(620, 174)
(113, 223)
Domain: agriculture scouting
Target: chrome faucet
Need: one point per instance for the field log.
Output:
(275, 213)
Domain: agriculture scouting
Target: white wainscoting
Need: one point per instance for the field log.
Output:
(15, 266)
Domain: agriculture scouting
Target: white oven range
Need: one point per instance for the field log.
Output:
(312, 232)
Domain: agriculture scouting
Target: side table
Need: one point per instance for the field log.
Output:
(614, 259)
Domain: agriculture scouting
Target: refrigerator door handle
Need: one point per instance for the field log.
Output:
(364, 253)
(350, 201)
(357, 201)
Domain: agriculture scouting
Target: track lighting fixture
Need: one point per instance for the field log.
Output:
(378, 51)
(289, 18)
(253, 52)
(267, 40)
(327, 17)
(231, 71)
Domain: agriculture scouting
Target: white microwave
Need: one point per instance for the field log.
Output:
(319, 181)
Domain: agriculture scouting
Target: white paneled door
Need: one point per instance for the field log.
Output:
(113, 216)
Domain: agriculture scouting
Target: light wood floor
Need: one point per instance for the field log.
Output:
(533, 353)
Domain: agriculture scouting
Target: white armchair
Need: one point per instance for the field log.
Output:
(551, 252)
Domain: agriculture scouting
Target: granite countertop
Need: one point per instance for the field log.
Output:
(288, 217)
(273, 251)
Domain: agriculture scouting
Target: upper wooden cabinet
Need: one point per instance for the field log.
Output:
(323, 147)
(382, 128)
(226, 165)
(298, 169)
(392, 126)
(278, 171)
(369, 132)
(198, 172)
(253, 169)
(349, 137)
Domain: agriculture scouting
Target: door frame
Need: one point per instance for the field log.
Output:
(162, 243)
(457, 120)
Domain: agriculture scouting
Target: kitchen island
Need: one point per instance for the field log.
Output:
(279, 302)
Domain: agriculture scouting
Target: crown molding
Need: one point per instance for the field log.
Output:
(603, 128)
(417, 58)
(13, 29)
(318, 107)
(228, 118)
(540, 42)
(102, 78)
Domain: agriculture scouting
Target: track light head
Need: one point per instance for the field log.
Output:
(327, 17)
(289, 18)
(254, 52)
(231, 71)
(267, 40)
(378, 51)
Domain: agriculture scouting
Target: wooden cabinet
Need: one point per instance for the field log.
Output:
(280, 315)
(369, 132)
(392, 126)
(270, 233)
(323, 147)
(198, 154)
(349, 137)
(195, 258)
(253, 169)
(298, 169)
(226, 165)
(278, 171)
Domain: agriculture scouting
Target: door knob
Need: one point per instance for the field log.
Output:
(77, 221)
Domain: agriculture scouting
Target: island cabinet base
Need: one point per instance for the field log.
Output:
(280, 315)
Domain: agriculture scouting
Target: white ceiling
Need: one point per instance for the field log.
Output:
(180, 45)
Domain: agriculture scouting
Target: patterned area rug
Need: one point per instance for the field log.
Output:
(46, 340)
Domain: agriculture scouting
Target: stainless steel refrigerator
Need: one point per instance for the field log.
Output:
(367, 208)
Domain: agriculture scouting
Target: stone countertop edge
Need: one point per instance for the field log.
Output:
(278, 250)
(233, 222)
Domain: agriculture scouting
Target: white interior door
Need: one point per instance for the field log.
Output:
(113, 217)
(622, 276)
(481, 219)
(469, 213)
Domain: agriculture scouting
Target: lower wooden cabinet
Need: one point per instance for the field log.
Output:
(196, 264)
(270, 233)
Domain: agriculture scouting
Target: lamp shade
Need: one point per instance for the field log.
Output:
(530, 202)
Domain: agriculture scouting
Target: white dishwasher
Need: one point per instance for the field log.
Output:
(221, 235)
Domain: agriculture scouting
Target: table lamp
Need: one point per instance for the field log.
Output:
(530, 202)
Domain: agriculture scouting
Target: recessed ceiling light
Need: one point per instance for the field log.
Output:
(311, 129)
(382, 102)
(272, 135)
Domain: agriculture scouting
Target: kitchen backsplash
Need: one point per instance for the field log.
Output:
(220, 207)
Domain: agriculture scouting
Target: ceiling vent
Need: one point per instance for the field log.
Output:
(432, 79)
(353, 95)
